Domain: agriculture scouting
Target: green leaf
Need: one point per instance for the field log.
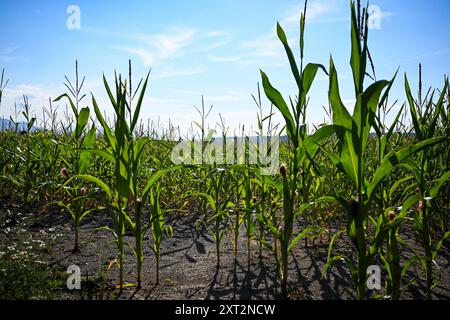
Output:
(110, 95)
(302, 33)
(441, 182)
(82, 120)
(309, 73)
(408, 264)
(412, 108)
(207, 197)
(84, 214)
(357, 59)
(366, 112)
(394, 158)
(307, 232)
(397, 183)
(139, 104)
(110, 139)
(85, 156)
(263, 219)
(155, 177)
(438, 245)
(275, 97)
(311, 143)
(345, 129)
(72, 105)
(139, 147)
(292, 62)
(93, 179)
(391, 129)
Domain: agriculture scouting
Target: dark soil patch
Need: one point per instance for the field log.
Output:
(188, 263)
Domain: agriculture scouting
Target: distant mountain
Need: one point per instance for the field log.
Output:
(6, 124)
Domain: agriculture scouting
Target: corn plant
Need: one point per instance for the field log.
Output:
(218, 198)
(77, 160)
(26, 160)
(353, 134)
(236, 218)
(30, 162)
(300, 155)
(391, 222)
(425, 116)
(124, 152)
(157, 225)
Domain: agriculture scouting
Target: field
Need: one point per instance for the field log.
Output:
(99, 207)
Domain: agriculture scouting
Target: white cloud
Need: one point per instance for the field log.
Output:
(418, 57)
(157, 48)
(170, 72)
(230, 97)
(10, 54)
(216, 58)
(264, 46)
(314, 11)
(205, 48)
(7, 54)
(171, 42)
(39, 95)
(32, 91)
(146, 57)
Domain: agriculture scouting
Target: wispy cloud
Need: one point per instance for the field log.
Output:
(264, 46)
(314, 11)
(7, 54)
(10, 54)
(37, 95)
(170, 72)
(32, 91)
(431, 54)
(419, 56)
(157, 48)
(229, 97)
(169, 43)
(216, 58)
(326, 12)
(146, 57)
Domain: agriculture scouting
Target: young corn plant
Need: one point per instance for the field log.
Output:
(391, 257)
(158, 226)
(29, 156)
(124, 153)
(77, 160)
(22, 157)
(429, 175)
(24, 153)
(353, 134)
(218, 199)
(248, 208)
(76, 190)
(294, 117)
(235, 213)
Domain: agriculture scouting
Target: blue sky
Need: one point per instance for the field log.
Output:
(214, 48)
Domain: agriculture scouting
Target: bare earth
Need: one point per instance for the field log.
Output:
(188, 263)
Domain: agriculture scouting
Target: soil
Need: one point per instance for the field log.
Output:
(188, 262)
